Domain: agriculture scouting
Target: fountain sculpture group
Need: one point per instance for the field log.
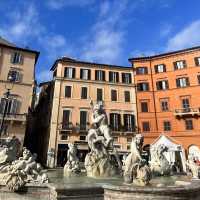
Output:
(16, 171)
(99, 163)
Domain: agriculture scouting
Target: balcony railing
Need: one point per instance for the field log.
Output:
(123, 129)
(14, 117)
(187, 111)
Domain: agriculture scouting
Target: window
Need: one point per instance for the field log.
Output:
(69, 72)
(164, 105)
(162, 85)
(83, 120)
(55, 73)
(114, 77)
(14, 76)
(186, 104)
(64, 137)
(143, 86)
(141, 70)
(167, 125)
(129, 122)
(99, 94)
(127, 96)
(182, 82)
(68, 90)
(85, 74)
(12, 106)
(144, 107)
(197, 61)
(66, 118)
(126, 78)
(145, 126)
(179, 65)
(160, 68)
(82, 137)
(84, 92)
(99, 75)
(115, 121)
(17, 58)
(198, 78)
(188, 124)
(113, 95)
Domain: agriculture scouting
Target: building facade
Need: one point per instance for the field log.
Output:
(168, 99)
(17, 74)
(75, 84)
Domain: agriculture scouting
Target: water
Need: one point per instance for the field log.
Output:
(56, 177)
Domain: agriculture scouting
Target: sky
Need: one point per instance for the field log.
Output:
(103, 31)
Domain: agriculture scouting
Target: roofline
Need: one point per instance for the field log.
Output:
(88, 63)
(163, 54)
(23, 49)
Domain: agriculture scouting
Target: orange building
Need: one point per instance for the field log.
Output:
(168, 96)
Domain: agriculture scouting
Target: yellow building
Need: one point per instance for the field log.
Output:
(75, 83)
(17, 73)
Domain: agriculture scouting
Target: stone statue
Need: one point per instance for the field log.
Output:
(136, 170)
(159, 164)
(193, 166)
(98, 162)
(72, 166)
(16, 173)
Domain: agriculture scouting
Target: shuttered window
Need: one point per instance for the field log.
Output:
(16, 58)
(143, 86)
(141, 70)
(188, 124)
(99, 75)
(182, 82)
(66, 118)
(115, 121)
(129, 122)
(180, 65)
(68, 91)
(127, 96)
(114, 77)
(11, 106)
(14, 76)
(83, 119)
(84, 92)
(99, 94)
(162, 85)
(69, 72)
(144, 107)
(126, 78)
(113, 95)
(85, 74)
(167, 126)
(145, 126)
(160, 68)
(197, 61)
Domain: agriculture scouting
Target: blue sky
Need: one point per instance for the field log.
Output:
(104, 31)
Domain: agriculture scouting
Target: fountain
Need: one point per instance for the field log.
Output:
(102, 179)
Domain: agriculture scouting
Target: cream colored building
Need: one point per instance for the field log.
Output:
(18, 66)
(75, 83)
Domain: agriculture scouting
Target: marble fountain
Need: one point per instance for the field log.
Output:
(103, 178)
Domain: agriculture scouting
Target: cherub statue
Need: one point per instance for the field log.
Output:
(72, 166)
(136, 169)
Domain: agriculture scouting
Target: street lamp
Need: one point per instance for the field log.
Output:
(8, 87)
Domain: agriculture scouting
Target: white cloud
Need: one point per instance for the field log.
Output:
(188, 37)
(44, 75)
(165, 30)
(23, 24)
(105, 43)
(60, 4)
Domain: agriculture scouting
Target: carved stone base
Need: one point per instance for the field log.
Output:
(99, 167)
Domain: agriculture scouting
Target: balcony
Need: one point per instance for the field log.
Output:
(82, 128)
(65, 128)
(14, 117)
(184, 112)
(123, 129)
